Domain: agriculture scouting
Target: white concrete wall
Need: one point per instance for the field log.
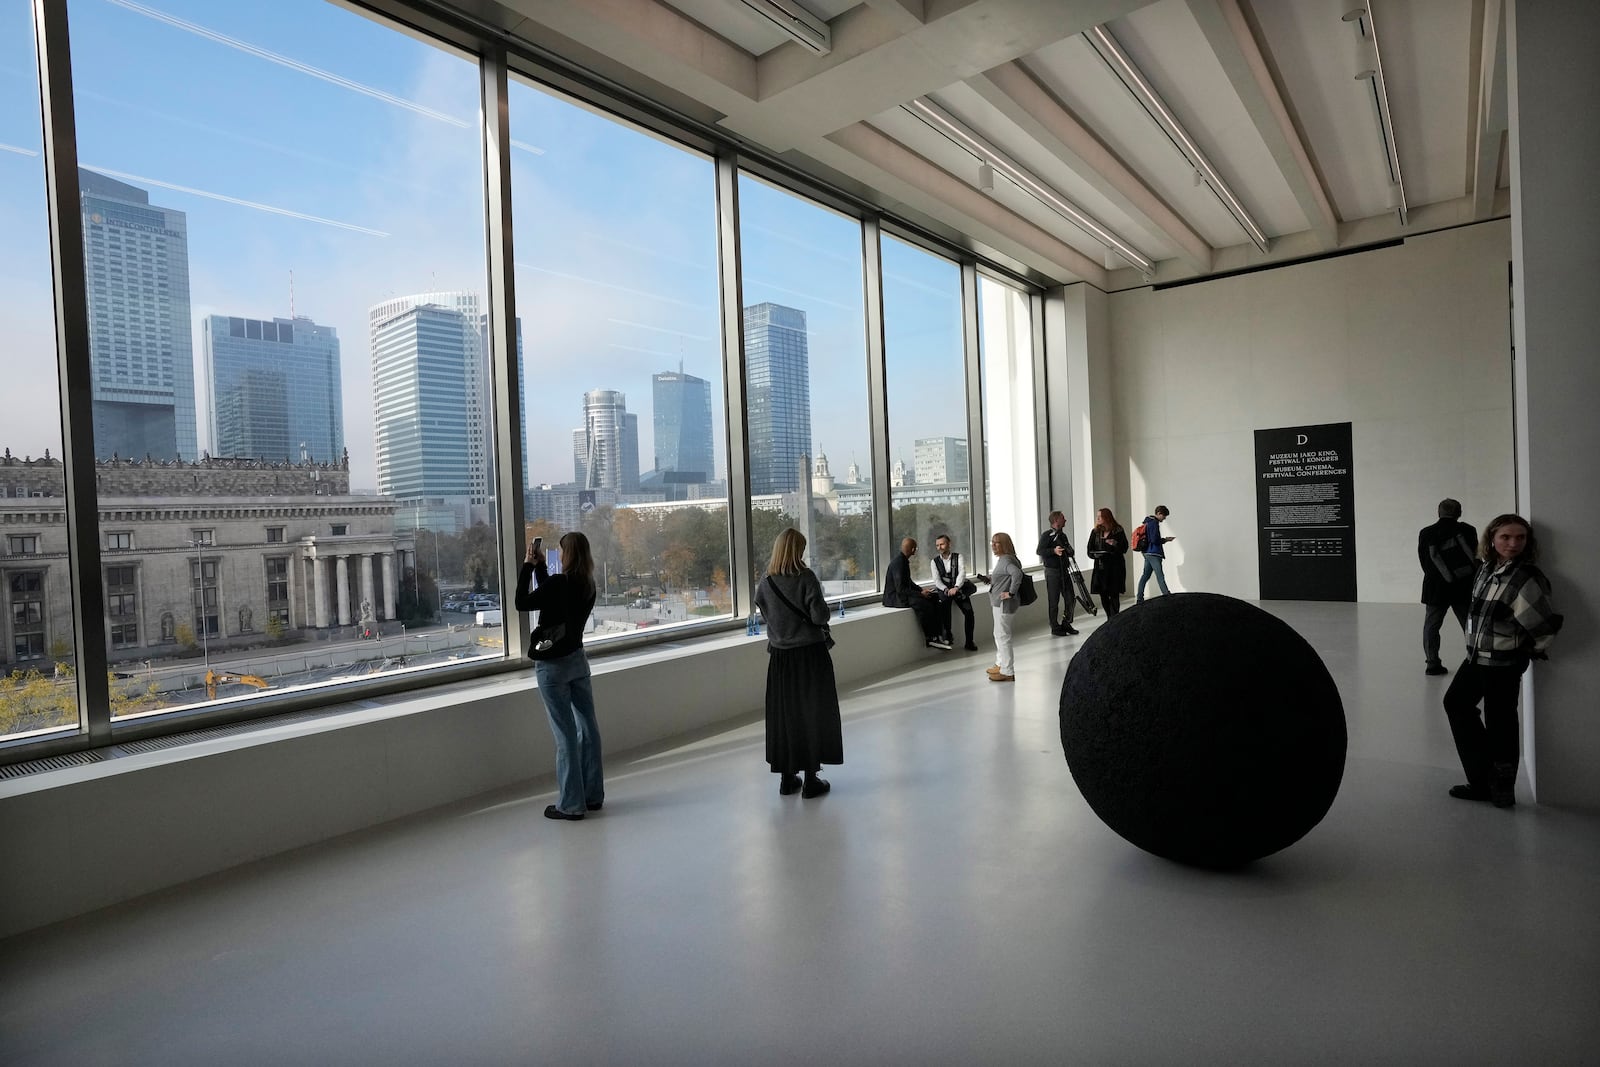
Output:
(1410, 344)
(1555, 152)
(82, 838)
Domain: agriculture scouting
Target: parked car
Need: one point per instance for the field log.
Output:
(642, 603)
(490, 617)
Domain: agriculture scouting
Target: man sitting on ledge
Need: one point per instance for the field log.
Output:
(899, 591)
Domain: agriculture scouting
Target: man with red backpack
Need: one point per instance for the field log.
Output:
(1147, 541)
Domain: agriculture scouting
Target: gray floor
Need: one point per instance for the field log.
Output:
(952, 902)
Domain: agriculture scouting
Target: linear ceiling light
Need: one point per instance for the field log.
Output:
(1123, 68)
(806, 29)
(942, 122)
(1367, 30)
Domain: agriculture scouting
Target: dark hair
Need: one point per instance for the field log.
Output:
(1109, 524)
(1161, 509)
(1449, 509)
(1530, 551)
(577, 561)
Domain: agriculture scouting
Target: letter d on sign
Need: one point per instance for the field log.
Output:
(1300, 438)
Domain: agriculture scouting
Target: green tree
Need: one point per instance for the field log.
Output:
(481, 558)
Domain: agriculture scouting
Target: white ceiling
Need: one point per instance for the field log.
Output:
(1267, 89)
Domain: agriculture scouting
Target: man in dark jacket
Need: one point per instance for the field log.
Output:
(899, 591)
(1054, 551)
(1447, 552)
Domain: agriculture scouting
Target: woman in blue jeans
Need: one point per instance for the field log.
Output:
(564, 602)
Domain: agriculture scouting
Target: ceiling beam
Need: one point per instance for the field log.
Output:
(1489, 129)
(1017, 95)
(1237, 49)
(927, 187)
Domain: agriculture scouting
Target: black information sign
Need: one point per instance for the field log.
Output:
(1306, 513)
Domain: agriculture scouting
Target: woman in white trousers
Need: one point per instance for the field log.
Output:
(1004, 581)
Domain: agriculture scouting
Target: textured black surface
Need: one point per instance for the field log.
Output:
(1203, 729)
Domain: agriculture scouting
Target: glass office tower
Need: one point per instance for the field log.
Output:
(274, 388)
(141, 349)
(779, 396)
(682, 422)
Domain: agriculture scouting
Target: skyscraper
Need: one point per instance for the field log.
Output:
(682, 421)
(274, 388)
(452, 368)
(605, 449)
(778, 392)
(426, 357)
(141, 345)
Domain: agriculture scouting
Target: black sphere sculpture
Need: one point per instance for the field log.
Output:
(1203, 729)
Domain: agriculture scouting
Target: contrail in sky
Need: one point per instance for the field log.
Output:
(285, 61)
(141, 180)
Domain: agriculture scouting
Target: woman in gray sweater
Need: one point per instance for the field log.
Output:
(803, 727)
(1004, 580)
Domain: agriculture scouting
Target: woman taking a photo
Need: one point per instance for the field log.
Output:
(1004, 581)
(1108, 545)
(803, 727)
(1509, 623)
(564, 602)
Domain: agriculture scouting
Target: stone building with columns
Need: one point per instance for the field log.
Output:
(223, 553)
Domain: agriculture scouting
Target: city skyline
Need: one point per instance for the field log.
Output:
(305, 196)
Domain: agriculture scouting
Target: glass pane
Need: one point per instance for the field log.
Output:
(806, 383)
(1005, 351)
(283, 229)
(38, 658)
(616, 274)
(930, 481)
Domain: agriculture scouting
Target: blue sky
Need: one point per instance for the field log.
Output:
(300, 137)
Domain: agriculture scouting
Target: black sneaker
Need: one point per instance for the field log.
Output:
(1437, 669)
(553, 812)
(970, 647)
(1468, 792)
(939, 643)
(1069, 631)
(789, 783)
(814, 787)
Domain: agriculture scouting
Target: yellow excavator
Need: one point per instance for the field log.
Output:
(216, 678)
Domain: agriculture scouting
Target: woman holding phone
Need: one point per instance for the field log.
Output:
(564, 601)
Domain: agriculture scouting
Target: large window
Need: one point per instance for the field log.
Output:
(617, 297)
(806, 383)
(122, 606)
(929, 475)
(282, 208)
(1005, 347)
(38, 690)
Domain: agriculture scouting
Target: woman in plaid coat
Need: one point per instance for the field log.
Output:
(1509, 622)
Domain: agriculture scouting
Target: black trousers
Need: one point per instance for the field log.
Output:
(929, 616)
(1112, 602)
(1483, 743)
(1056, 589)
(947, 606)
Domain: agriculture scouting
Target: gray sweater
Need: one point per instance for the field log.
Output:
(1005, 577)
(785, 629)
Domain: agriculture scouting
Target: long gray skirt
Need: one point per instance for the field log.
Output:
(803, 728)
